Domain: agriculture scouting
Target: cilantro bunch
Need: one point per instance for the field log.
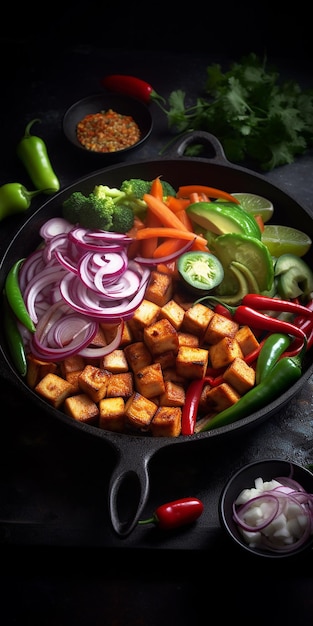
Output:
(256, 117)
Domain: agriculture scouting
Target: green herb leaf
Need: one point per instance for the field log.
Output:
(255, 116)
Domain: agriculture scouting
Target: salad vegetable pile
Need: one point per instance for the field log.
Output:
(180, 322)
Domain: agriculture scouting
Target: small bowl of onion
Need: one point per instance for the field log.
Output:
(107, 126)
(267, 508)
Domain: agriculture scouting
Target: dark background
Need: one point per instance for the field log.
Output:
(233, 28)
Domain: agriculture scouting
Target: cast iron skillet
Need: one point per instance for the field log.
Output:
(129, 483)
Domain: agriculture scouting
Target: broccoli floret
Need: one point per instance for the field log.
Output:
(123, 218)
(99, 210)
(135, 187)
(168, 189)
(97, 213)
(72, 206)
(103, 191)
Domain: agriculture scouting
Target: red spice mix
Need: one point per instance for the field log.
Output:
(107, 131)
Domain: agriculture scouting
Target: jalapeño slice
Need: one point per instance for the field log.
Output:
(200, 271)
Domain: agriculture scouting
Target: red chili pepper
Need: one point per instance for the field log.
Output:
(176, 513)
(246, 315)
(222, 310)
(131, 86)
(190, 408)
(257, 301)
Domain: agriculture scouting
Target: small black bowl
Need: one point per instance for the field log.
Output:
(244, 479)
(102, 102)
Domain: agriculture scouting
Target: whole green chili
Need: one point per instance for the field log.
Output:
(33, 153)
(15, 198)
(15, 296)
(14, 338)
(272, 349)
(281, 377)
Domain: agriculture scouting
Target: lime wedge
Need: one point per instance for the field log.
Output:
(256, 205)
(281, 239)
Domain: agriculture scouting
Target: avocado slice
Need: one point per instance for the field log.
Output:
(223, 217)
(248, 251)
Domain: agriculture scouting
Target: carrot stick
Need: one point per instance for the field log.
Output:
(167, 247)
(148, 246)
(165, 215)
(167, 232)
(185, 219)
(156, 189)
(259, 220)
(211, 192)
(177, 204)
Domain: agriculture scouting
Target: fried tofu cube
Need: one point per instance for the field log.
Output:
(137, 355)
(112, 414)
(247, 340)
(192, 362)
(99, 340)
(110, 331)
(174, 395)
(139, 411)
(219, 327)
(171, 374)
(115, 362)
(166, 359)
(82, 408)
(146, 314)
(93, 381)
(187, 339)
(166, 422)
(37, 369)
(54, 389)
(149, 381)
(222, 397)
(174, 313)
(120, 385)
(160, 288)
(196, 319)
(240, 376)
(72, 364)
(205, 403)
(161, 337)
(224, 352)
(73, 378)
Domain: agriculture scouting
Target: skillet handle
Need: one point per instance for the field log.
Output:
(128, 489)
(209, 141)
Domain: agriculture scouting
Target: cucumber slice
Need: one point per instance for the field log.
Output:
(248, 251)
(223, 217)
(294, 277)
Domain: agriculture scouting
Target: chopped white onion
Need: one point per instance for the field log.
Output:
(276, 515)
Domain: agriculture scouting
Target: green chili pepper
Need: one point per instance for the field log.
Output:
(33, 153)
(272, 349)
(14, 339)
(15, 198)
(15, 296)
(282, 376)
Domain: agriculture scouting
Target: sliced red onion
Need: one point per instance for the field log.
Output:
(84, 301)
(47, 278)
(86, 238)
(54, 226)
(61, 337)
(97, 353)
